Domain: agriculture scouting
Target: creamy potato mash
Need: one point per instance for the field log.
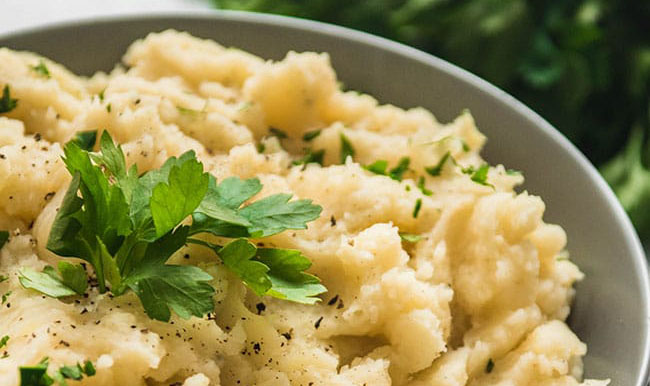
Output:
(441, 275)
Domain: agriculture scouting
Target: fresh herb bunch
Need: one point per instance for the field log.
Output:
(126, 226)
(583, 64)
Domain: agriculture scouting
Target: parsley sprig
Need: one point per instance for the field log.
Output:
(128, 225)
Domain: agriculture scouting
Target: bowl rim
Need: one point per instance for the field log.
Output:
(620, 218)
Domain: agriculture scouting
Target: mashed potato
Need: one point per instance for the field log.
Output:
(479, 299)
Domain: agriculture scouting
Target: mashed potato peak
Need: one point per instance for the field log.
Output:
(479, 299)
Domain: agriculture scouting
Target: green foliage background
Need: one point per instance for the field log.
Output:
(582, 64)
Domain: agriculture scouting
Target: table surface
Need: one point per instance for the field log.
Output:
(20, 14)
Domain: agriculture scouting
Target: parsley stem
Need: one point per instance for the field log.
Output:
(214, 247)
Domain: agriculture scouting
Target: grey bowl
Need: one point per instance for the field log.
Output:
(610, 311)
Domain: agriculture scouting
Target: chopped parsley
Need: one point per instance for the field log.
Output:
(41, 69)
(37, 375)
(465, 146)
(377, 167)
(185, 110)
(410, 237)
(480, 175)
(127, 225)
(4, 340)
(489, 366)
(5, 296)
(261, 147)
(278, 133)
(311, 157)
(108, 108)
(423, 188)
(310, 135)
(86, 139)
(4, 237)
(346, 148)
(398, 171)
(7, 103)
(418, 206)
(101, 95)
(437, 169)
(513, 172)
(3, 278)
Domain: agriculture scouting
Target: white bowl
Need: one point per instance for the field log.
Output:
(610, 312)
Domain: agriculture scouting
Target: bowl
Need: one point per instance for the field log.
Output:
(610, 312)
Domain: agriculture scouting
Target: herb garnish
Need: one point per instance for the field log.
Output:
(310, 135)
(410, 237)
(127, 226)
(7, 103)
(37, 375)
(4, 236)
(346, 148)
(480, 175)
(437, 169)
(41, 69)
(4, 340)
(396, 173)
(423, 188)
(377, 167)
(86, 139)
(418, 206)
(278, 133)
(5, 296)
(311, 156)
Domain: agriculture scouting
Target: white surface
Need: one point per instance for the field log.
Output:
(19, 14)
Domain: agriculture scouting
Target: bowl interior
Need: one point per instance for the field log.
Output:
(610, 311)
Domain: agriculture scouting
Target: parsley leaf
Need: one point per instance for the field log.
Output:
(35, 375)
(48, 282)
(184, 289)
(480, 175)
(41, 69)
(89, 368)
(73, 276)
(171, 203)
(310, 135)
(4, 237)
(278, 133)
(275, 214)
(7, 103)
(288, 280)
(311, 157)
(346, 148)
(237, 256)
(5, 296)
(86, 139)
(377, 167)
(422, 187)
(410, 237)
(417, 207)
(4, 340)
(437, 169)
(402, 167)
(274, 272)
